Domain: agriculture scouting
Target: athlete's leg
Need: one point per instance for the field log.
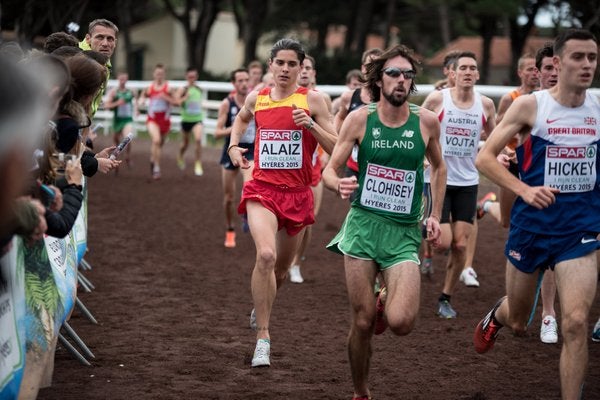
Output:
(155, 137)
(197, 131)
(520, 291)
(228, 177)
(468, 275)
(576, 281)
(272, 250)
(548, 294)
(403, 295)
(185, 141)
(460, 236)
(360, 278)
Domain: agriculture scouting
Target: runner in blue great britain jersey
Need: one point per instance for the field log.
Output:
(555, 220)
(381, 233)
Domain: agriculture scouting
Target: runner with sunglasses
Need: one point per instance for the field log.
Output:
(381, 233)
(465, 116)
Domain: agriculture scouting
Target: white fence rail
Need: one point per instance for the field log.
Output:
(210, 107)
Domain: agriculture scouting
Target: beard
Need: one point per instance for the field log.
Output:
(395, 98)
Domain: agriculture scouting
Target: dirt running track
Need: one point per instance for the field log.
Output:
(173, 304)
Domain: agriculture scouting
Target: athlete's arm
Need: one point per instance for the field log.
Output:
(433, 102)
(505, 102)
(341, 115)
(240, 124)
(327, 99)
(518, 118)
(110, 100)
(430, 129)
(180, 96)
(352, 131)
(319, 123)
(220, 129)
(490, 117)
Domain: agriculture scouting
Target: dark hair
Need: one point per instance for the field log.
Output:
(374, 52)
(353, 73)
(288, 44)
(190, 69)
(375, 69)
(66, 51)
(255, 64)
(159, 66)
(575, 34)
(100, 58)
(102, 22)
(464, 54)
(547, 50)
(234, 72)
(312, 60)
(87, 77)
(450, 58)
(59, 39)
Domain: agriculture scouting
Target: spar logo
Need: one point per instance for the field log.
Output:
(570, 152)
(456, 131)
(390, 173)
(269, 134)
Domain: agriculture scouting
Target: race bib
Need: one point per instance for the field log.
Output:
(193, 107)
(460, 142)
(571, 169)
(280, 149)
(158, 105)
(388, 189)
(125, 110)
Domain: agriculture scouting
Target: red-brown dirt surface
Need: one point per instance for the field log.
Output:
(173, 303)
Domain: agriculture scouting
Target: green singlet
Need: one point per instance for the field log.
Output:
(123, 114)
(191, 111)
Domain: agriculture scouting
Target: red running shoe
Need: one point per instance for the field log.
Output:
(491, 196)
(487, 330)
(380, 322)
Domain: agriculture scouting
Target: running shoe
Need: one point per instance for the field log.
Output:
(445, 310)
(198, 171)
(262, 352)
(491, 196)
(230, 239)
(487, 330)
(549, 330)
(155, 172)
(596, 332)
(180, 162)
(469, 277)
(295, 275)
(380, 321)
(427, 266)
(253, 319)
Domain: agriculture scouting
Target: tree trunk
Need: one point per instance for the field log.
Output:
(206, 19)
(389, 18)
(362, 24)
(255, 10)
(124, 7)
(486, 30)
(519, 34)
(444, 23)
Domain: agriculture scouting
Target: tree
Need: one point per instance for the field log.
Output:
(250, 17)
(197, 18)
(520, 32)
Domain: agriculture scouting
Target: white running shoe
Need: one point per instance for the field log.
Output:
(295, 275)
(262, 352)
(253, 319)
(469, 277)
(549, 330)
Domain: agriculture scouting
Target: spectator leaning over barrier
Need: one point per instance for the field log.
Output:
(101, 37)
(73, 115)
(22, 112)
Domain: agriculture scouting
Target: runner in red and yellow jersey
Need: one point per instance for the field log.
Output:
(290, 122)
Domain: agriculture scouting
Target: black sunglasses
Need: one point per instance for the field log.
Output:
(395, 72)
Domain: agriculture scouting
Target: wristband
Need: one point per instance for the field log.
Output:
(230, 147)
(310, 124)
(436, 217)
